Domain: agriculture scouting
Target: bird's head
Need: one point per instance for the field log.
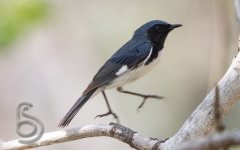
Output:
(156, 31)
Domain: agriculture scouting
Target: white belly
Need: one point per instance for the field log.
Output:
(135, 74)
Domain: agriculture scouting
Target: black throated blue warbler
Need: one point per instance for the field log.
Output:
(131, 62)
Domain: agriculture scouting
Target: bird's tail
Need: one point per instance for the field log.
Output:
(75, 108)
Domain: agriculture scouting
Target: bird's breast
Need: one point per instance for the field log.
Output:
(134, 74)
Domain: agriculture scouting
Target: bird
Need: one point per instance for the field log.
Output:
(132, 61)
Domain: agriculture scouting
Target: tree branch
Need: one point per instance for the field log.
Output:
(114, 130)
(202, 121)
(215, 141)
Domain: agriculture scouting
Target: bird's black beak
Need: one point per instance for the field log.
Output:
(174, 26)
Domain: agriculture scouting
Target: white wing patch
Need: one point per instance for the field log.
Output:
(122, 70)
(148, 56)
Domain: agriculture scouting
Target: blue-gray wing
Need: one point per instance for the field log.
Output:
(127, 57)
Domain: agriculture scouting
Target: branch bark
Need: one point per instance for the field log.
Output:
(199, 124)
(113, 130)
(214, 141)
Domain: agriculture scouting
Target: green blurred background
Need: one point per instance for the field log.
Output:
(50, 50)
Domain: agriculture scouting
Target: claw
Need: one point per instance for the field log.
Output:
(140, 106)
(146, 97)
(109, 113)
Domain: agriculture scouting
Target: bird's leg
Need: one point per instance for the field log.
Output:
(110, 112)
(145, 97)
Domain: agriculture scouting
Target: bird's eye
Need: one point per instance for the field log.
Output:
(158, 28)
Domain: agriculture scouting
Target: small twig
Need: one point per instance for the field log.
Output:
(237, 7)
(217, 115)
(220, 127)
(238, 49)
(238, 43)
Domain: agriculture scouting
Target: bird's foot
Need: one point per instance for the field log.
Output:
(146, 97)
(109, 113)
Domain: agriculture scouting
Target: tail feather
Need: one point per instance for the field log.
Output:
(75, 108)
